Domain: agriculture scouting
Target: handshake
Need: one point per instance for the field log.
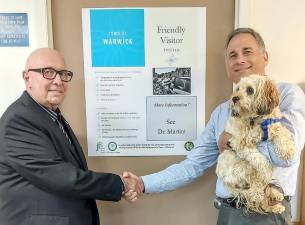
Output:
(134, 186)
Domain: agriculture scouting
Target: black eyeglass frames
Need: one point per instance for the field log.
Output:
(50, 73)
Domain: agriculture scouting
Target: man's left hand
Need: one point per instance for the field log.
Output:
(223, 141)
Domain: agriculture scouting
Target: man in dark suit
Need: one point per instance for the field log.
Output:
(44, 179)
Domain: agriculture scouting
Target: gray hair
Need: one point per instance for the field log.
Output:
(246, 30)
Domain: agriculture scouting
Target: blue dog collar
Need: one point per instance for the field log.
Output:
(265, 124)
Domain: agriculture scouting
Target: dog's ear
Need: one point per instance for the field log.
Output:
(268, 99)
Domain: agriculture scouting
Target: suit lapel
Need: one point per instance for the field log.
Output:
(77, 148)
(71, 149)
(74, 153)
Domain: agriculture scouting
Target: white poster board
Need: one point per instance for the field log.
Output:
(23, 28)
(144, 80)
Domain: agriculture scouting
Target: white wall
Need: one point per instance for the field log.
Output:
(282, 25)
(12, 59)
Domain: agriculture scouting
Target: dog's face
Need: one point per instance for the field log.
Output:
(254, 95)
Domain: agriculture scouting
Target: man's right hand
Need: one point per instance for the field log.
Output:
(135, 186)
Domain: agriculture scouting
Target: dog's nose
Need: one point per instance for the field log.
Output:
(235, 99)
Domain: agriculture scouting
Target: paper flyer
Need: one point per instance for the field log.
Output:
(144, 74)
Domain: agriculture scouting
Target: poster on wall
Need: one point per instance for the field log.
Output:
(144, 74)
(14, 30)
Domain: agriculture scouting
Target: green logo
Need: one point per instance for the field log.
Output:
(189, 145)
(112, 146)
(99, 146)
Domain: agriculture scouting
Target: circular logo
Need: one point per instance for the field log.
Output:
(189, 145)
(112, 146)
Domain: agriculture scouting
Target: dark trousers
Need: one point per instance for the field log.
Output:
(238, 216)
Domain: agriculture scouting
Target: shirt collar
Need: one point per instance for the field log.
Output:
(54, 114)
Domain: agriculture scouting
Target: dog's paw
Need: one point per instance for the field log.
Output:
(274, 194)
(288, 155)
(276, 198)
(278, 208)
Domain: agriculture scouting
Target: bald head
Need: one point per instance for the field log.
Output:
(45, 57)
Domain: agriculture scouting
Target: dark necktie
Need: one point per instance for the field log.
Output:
(60, 122)
(62, 126)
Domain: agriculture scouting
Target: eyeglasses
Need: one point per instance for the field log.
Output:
(50, 73)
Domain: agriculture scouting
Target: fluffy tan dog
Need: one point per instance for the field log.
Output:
(245, 171)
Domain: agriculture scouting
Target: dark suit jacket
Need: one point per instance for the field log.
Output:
(43, 179)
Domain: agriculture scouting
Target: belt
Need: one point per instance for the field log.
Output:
(233, 202)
